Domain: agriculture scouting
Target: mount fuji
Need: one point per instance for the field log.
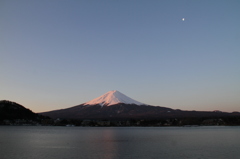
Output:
(115, 105)
(112, 98)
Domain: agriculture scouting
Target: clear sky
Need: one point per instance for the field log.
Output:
(56, 54)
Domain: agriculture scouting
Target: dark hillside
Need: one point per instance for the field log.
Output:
(12, 111)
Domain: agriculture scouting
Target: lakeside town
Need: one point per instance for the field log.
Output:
(233, 121)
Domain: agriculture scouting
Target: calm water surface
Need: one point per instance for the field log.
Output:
(119, 143)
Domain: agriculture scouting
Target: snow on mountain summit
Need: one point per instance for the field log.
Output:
(111, 98)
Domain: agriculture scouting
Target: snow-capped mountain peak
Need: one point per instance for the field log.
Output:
(111, 98)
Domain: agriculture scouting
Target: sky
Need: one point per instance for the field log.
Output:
(57, 54)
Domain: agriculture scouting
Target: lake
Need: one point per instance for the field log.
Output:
(47, 142)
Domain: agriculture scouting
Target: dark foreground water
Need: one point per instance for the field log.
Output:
(119, 143)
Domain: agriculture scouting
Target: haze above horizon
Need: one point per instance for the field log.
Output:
(56, 54)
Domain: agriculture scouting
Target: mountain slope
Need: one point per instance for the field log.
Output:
(116, 111)
(128, 111)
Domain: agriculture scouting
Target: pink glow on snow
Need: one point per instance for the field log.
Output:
(111, 98)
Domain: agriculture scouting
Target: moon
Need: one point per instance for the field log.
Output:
(183, 19)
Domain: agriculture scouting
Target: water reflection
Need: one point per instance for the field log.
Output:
(106, 143)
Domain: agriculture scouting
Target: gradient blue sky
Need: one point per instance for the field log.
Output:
(56, 54)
